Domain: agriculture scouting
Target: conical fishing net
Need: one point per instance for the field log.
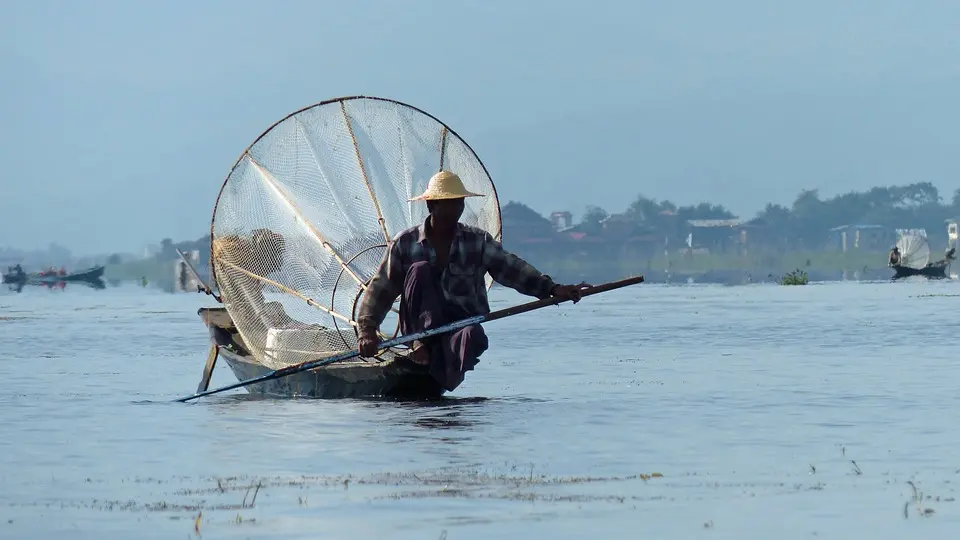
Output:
(914, 250)
(303, 219)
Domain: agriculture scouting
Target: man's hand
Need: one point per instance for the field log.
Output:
(569, 292)
(367, 344)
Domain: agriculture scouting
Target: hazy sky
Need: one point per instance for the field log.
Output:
(121, 119)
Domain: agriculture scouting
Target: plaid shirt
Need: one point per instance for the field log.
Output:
(473, 254)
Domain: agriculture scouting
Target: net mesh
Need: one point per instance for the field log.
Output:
(914, 250)
(303, 220)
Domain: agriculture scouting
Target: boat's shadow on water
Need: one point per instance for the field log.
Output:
(447, 412)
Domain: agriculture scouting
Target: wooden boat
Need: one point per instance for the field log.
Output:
(271, 197)
(936, 270)
(914, 259)
(89, 275)
(395, 377)
(14, 275)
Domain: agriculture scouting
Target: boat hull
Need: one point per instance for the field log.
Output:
(356, 378)
(934, 271)
(91, 275)
(86, 275)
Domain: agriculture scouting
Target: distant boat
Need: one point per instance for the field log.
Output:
(915, 259)
(88, 275)
(937, 270)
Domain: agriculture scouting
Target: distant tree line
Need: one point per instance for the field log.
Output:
(807, 221)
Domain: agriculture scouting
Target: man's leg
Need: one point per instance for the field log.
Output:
(461, 353)
(423, 307)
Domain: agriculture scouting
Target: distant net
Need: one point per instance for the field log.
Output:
(914, 250)
(303, 219)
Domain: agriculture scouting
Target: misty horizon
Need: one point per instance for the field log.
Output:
(136, 109)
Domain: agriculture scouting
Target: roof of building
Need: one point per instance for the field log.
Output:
(714, 222)
(858, 226)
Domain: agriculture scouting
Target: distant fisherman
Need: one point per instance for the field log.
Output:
(438, 269)
(895, 256)
(261, 255)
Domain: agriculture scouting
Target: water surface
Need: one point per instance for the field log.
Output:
(655, 411)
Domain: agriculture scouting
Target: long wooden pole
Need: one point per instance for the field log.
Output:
(271, 181)
(286, 289)
(508, 312)
(363, 171)
(268, 178)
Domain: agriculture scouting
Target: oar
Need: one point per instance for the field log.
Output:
(208, 368)
(515, 310)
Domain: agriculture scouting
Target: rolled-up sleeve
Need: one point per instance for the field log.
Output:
(383, 290)
(512, 271)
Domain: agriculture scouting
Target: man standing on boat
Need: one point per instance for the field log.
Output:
(438, 269)
(895, 256)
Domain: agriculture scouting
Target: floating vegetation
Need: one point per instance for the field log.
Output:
(796, 277)
(917, 500)
(240, 492)
(206, 504)
(196, 498)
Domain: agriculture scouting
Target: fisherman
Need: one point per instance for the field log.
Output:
(951, 253)
(438, 268)
(261, 255)
(895, 256)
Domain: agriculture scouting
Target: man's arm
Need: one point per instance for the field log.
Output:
(512, 271)
(383, 289)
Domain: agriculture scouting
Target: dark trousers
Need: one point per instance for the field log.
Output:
(423, 307)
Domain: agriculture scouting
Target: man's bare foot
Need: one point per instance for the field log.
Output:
(419, 354)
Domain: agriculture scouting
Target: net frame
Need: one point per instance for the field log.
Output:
(446, 134)
(914, 250)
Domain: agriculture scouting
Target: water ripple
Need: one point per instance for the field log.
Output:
(763, 410)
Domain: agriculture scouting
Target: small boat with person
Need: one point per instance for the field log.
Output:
(911, 257)
(16, 275)
(301, 227)
(392, 377)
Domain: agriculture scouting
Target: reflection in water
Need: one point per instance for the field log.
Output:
(444, 413)
(439, 413)
(451, 420)
(97, 284)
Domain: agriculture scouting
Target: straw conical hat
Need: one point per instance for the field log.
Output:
(445, 185)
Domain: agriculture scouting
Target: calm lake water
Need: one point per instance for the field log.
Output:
(656, 411)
